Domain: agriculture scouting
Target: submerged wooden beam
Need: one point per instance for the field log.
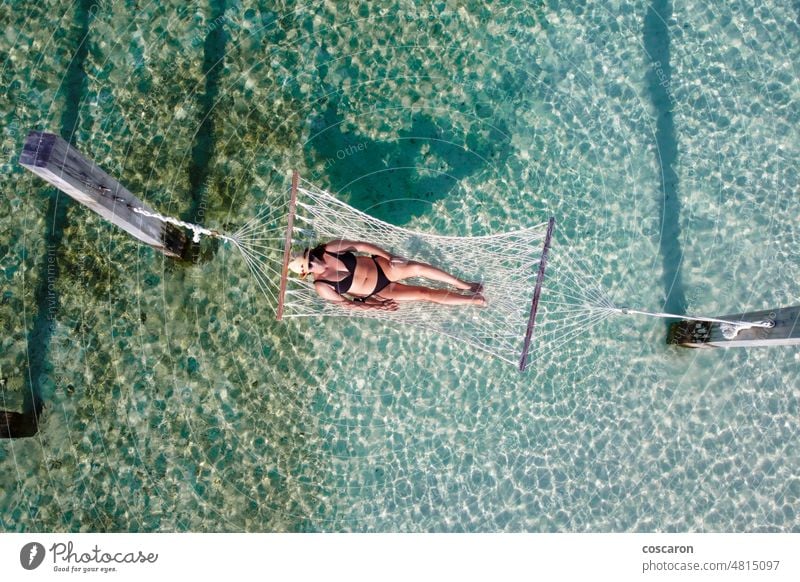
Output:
(50, 157)
(699, 334)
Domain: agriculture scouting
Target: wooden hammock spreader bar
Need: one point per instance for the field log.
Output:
(287, 245)
(523, 361)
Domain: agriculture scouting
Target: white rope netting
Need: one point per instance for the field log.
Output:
(572, 302)
(505, 263)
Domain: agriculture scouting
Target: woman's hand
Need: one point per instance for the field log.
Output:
(387, 305)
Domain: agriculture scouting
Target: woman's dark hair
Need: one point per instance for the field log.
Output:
(316, 253)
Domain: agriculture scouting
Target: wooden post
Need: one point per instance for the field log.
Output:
(287, 246)
(700, 334)
(523, 360)
(53, 159)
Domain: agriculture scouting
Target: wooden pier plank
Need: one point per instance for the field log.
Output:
(50, 157)
(785, 332)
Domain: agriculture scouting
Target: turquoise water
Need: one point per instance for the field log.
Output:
(662, 137)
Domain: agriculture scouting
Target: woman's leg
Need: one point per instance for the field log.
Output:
(399, 271)
(401, 292)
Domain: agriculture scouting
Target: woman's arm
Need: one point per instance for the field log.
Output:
(337, 246)
(326, 292)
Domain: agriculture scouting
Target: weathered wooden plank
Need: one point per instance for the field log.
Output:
(785, 332)
(53, 159)
(523, 360)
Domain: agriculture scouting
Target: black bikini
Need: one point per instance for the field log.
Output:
(382, 282)
(349, 259)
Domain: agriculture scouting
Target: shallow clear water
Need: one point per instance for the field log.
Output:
(174, 401)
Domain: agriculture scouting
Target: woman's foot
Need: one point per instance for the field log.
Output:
(480, 300)
(476, 288)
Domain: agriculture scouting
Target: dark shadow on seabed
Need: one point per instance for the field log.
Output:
(659, 79)
(204, 148)
(383, 179)
(214, 47)
(73, 86)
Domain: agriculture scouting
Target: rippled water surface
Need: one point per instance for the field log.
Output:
(662, 136)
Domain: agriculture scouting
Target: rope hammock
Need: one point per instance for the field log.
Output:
(508, 264)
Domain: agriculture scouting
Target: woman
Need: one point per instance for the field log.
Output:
(372, 281)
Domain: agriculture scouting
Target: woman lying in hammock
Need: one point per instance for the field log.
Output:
(372, 280)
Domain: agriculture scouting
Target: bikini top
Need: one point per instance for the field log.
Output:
(349, 260)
